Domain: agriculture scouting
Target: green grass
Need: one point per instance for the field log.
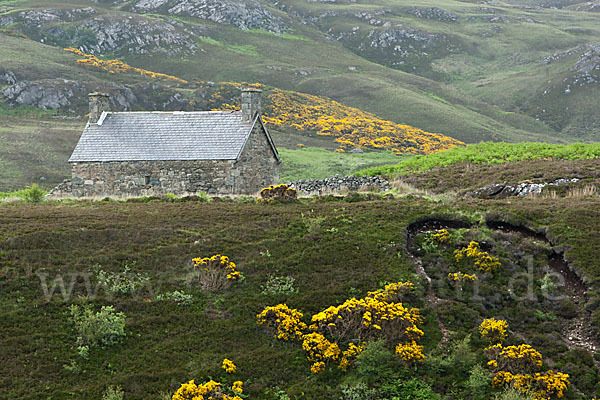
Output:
(22, 194)
(490, 153)
(316, 163)
(36, 151)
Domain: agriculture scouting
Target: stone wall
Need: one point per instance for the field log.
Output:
(256, 168)
(336, 184)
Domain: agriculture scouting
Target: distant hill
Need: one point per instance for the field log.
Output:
(502, 71)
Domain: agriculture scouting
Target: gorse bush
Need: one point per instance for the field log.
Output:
(518, 367)
(280, 192)
(216, 273)
(97, 329)
(117, 67)
(493, 330)
(349, 126)
(338, 334)
(210, 390)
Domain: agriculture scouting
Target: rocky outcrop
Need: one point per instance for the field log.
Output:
(45, 94)
(502, 190)
(8, 77)
(338, 183)
(248, 14)
(435, 13)
(127, 34)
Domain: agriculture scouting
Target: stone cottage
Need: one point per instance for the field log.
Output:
(123, 154)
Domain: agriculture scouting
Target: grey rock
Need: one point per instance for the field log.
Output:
(8, 77)
(45, 94)
(249, 14)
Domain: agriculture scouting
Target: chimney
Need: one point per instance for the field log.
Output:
(98, 104)
(250, 103)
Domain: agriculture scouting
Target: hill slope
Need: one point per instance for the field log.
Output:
(290, 46)
(334, 249)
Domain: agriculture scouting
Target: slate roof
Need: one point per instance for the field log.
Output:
(151, 136)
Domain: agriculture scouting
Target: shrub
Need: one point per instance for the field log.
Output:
(412, 389)
(113, 393)
(493, 330)
(286, 321)
(360, 391)
(97, 329)
(478, 384)
(279, 285)
(375, 362)
(209, 390)
(216, 273)
(178, 297)
(125, 282)
(228, 366)
(481, 259)
(34, 194)
(280, 192)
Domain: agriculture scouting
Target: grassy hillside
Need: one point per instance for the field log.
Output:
(334, 249)
(490, 153)
(209, 51)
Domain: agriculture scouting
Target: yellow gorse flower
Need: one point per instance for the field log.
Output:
(493, 330)
(116, 66)
(482, 259)
(377, 315)
(516, 365)
(228, 366)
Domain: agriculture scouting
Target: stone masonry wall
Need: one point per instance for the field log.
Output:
(256, 168)
(150, 178)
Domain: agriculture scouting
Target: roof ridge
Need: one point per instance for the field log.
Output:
(177, 112)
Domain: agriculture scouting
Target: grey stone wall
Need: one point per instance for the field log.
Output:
(256, 168)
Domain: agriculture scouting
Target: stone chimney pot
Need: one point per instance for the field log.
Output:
(251, 103)
(99, 103)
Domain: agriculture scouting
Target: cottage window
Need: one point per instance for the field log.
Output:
(147, 179)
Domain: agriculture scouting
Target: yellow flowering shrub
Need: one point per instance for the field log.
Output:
(117, 67)
(210, 390)
(319, 351)
(482, 259)
(238, 387)
(349, 126)
(520, 358)
(216, 273)
(517, 366)
(380, 314)
(279, 192)
(350, 355)
(460, 277)
(493, 330)
(410, 353)
(441, 236)
(228, 366)
(376, 315)
(286, 321)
